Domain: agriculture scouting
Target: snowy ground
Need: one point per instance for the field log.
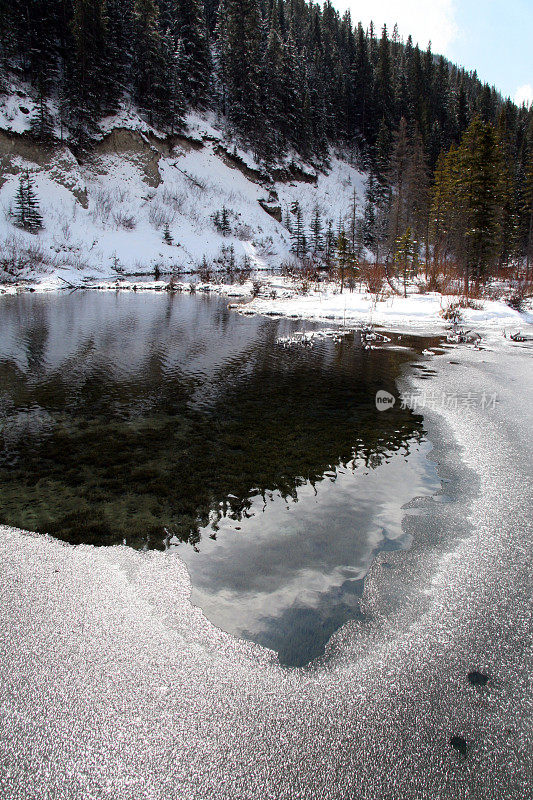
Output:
(416, 312)
(114, 686)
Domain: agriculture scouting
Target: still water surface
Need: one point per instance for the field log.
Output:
(172, 422)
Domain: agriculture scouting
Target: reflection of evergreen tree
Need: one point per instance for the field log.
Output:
(184, 463)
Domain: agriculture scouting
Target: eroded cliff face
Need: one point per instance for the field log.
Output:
(143, 149)
(21, 145)
(19, 149)
(140, 148)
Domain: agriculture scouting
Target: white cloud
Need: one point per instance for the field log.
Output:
(524, 94)
(426, 21)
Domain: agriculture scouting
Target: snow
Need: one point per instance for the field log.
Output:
(202, 126)
(114, 686)
(333, 194)
(419, 312)
(16, 108)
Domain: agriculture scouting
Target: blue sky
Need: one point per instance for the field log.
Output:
(495, 37)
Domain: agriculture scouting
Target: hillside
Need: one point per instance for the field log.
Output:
(108, 213)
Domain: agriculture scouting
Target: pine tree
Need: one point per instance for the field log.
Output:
(194, 58)
(298, 246)
(288, 219)
(362, 84)
(398, 171)
(353, 223)
(418, 189)
(149, 67)
(34, 220)
(167, 236)
(441, 207)
(170, 106)
(369, 213)
(383, 89)
(481, 195)
(120, 34)
(342, 254)
(295, 102)
(509, 202)
(225, 227)
(405, 256)
(329, 245)
(20, 213)
(90, 68)
(468, 198)
(462, 110)
(527, 208)
(27, 214)
(220, 50)
(243, 59)
(41, 122)
(275, 143)
(317, 240)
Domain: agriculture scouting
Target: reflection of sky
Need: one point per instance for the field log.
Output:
(134, 337)
(97, 322)
(296, 565)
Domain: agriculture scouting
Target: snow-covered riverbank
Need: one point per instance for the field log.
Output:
(419, 312)
(282, 296)
(114, 686)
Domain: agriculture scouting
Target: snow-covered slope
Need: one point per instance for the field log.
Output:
(109, 213)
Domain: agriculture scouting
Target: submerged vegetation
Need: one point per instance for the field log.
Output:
(96, 449)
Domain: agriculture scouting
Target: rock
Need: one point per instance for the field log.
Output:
(273, 210)
(459, 336)
(459, 744)
(477, 678)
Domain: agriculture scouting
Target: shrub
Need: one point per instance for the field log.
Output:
(123, 220)
(452, 313)
(469, 302)
(242, 231)
(373, 275)
(159, 216)
(205, 272)
(17, 256)
(102, 205)
(265, 247)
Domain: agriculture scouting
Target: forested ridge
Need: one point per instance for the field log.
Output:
(450, 161)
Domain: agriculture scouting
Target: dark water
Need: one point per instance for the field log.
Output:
(174, 422)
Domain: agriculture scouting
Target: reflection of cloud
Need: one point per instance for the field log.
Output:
(524, 94)
(426, 22)
(304, 555)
